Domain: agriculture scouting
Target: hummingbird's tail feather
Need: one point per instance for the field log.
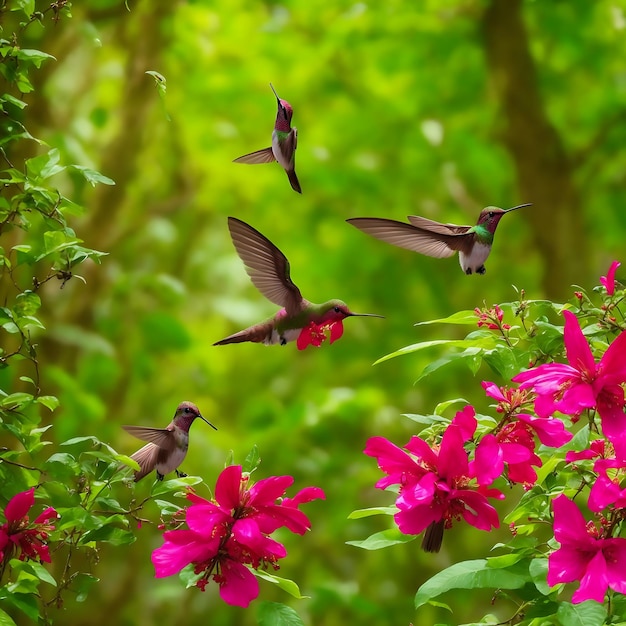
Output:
(433, 537)
(256, 334)
(255, 158)
(293, 179)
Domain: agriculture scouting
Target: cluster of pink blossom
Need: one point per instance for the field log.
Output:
(491, 318)
(440, 482)
(229, 536)
(315, 334)
(19, 535)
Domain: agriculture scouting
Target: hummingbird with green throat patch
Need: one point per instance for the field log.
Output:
(167, 447)
(434, 239)
(284, 143)
(299, 320)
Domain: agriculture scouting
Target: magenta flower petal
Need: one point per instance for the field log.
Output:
(466, 421)
(452, 455)
(203, 517)
(46, 515)
(228, 487)
(304, 338)
(308, 494)
(613, 362)
(336, 330)
(493, 391)
(488, 463)
(239, 586)
(576, 346)
(551, 432)
(267, 490)
(569, 523)
(19, 505)
(609, 280)
(180, 548)
(594, 583)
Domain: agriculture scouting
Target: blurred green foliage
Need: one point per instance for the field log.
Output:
(400, 110)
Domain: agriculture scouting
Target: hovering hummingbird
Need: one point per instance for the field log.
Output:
(434, 239)
(284, 143)
(268, 268)
(167, 447)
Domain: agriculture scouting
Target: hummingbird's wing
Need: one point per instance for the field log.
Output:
(266, 265)
(254, 158)
(434, 244)
(147, 458)
(160, 437)
(437, 227)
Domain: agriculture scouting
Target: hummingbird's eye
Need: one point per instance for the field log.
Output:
(491, 213)
(337, 309)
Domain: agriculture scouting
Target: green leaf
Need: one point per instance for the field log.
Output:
(91, 176)
(589, 613)
(50, 402)
(189, 577)
(442, 406)
(539, 574)
(42, 573)
(167, 486)
(252, 461)
(460, 317)
(81, 584)
(276, 614)
(471, 575)
(5, 619)
(383, 539)
(375, 510)
(45, 165)
(109, 534)
(283, 583)
(486, 343)
(36, 57)
(27, 303)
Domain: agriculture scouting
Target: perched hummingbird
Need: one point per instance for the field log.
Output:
(284, 143)
(473, 243)
(168, 446)
(268, 268)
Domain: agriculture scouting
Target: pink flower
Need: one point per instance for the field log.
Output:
(609, 280)
(596, 562)
(509, 400)
(436, 484)
(606, 489)
(18, 533)
(583, 384)
(597, 448)
(315, 334)
(229, 536)
(514, 445)
(491, 318)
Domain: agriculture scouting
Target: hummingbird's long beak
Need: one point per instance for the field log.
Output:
(519, 206)
(366, 315)
(274, 90)
(204, 419)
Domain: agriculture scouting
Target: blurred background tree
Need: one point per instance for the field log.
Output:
(437, 110)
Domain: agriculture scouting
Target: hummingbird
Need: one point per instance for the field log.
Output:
(167, 447)
(438, 240)
(269, 270)
(284, 143)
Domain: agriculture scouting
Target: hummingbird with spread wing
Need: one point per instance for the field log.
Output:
(434, 239)
(284, 143)
(167, 447)
(298, 319)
